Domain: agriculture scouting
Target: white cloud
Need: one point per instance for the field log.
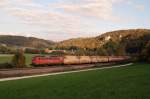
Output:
(68, 17)
(101, 9)
(140, 7)
(36, 15)
(29, 10)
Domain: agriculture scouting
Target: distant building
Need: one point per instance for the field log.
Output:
(50, 51)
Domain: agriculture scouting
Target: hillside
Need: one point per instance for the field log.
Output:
(99, 41)
(22, 41)
(121, 34)
(79, 42)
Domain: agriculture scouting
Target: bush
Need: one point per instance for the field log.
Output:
(19, 59)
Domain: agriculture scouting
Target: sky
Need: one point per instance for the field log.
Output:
(64, 19)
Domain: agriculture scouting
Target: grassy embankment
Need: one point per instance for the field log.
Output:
(131, 82)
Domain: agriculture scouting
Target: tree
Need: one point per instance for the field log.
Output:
(80, 52)
(145, 54)
(19, 59)
(121, 51)
(111, 47)
(101, 51)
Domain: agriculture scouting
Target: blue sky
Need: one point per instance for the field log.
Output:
(63, 19)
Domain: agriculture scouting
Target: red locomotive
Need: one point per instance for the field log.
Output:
(46, 60)
(53, 60)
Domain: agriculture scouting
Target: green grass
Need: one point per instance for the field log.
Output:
(4, 58)
(29, 58)
(132, 82)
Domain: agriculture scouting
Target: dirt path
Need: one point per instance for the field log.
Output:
(43, 71)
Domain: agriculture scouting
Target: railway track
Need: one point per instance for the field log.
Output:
(7, 73)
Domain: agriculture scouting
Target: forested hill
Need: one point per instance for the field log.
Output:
(22, 41)
(99, 41)
(121, 34)
(79, 42)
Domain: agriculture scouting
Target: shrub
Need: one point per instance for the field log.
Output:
(19, 59)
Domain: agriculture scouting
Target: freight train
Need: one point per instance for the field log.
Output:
(69, 60)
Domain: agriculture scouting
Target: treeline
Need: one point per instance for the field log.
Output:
(110, 48)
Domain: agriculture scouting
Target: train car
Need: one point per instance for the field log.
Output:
(118, 58)
(93, 59)
(46, 60)
(102, 59)
(69, 60)
(85, 60)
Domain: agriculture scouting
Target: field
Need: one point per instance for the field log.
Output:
(8, 57)
(5, 58)
(131, 82)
